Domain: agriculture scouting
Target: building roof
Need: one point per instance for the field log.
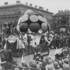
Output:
(22, 5)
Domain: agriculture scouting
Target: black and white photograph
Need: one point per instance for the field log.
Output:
(34, 34)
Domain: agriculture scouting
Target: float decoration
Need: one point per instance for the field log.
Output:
(44, 27)
(23, 27)
(42, 19)
(34, 27)
(33, 18)
(33, 21)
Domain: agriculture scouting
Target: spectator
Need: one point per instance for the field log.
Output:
(50, 65)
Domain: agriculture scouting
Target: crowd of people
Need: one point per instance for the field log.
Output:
(61, 61)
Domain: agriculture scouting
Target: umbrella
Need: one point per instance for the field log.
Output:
(23, 27)
(33, 18)
(44, 27)
(34, 27)
(29, 11)
(43, 19)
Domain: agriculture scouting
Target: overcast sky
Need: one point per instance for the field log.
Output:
(51, 5)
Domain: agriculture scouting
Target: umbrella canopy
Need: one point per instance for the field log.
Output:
(23, 27)
(28, 12)
(44, 27)
(34, 27)
(34, 18)
(42, 19)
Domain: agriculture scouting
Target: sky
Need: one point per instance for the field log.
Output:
(51, 5)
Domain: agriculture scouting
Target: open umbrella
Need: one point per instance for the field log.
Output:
(34, 27)
(43, 19)
(28, 12)
(23, 27)
(44, 27)
(34, 18)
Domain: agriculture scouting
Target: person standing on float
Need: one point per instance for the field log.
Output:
(12, 45)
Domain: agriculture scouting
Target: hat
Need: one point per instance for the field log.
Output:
(12, 38)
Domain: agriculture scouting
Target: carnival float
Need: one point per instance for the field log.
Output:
(33, 25)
